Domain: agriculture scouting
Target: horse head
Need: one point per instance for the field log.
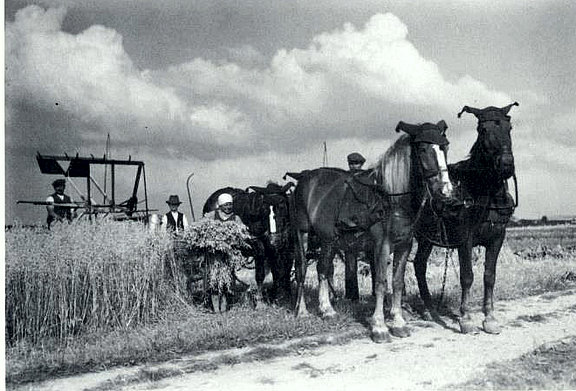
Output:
(274, 206)
(493, 146)
(430, 148)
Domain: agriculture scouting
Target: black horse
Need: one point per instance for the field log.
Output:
(262, 208)
(479, 218)
(334, 204)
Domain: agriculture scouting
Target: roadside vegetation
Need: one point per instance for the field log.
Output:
(550, 367)
(88, 297)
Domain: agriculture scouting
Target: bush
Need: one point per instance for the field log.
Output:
(82, 277)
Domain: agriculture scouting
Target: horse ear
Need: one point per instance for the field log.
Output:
(506, 109)
(471, 110)
(412, 130)
(442, 125)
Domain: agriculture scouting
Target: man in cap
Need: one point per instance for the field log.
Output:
(56, 212)
(174, 222)
(224, 210)
(355, 162)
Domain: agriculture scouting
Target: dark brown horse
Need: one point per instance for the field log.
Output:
(480, 219)
(333, 204)
(265, 211)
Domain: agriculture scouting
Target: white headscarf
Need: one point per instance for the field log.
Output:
(224, 198)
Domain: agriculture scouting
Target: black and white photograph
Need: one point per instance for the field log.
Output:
(289, 195)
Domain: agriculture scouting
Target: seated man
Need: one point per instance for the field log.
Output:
(58, 213)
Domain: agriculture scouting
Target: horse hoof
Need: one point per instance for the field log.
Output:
(400, 332)
(329, 314)
(468, 328)
(428, 316)
(302, 314)
(491, 327)
(379, 336)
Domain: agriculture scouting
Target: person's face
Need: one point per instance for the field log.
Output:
(227, 207)
(355, 166)
(60, 189)
(173, 207)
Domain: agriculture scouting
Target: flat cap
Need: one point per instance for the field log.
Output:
(355, 157)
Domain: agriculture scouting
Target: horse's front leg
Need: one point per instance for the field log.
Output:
(382, 252)
(491, 324)
(398, 325)
(351, 275)
(420, 267)
(325, 268)
(260, 271)
(466, 280)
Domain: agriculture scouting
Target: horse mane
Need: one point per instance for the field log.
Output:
(393, 169)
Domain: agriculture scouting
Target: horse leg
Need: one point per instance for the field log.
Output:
(351, 275)
(466, 280)
(491, 324)
(370, 256)
(260, 271)
(284, 264)
(379, 332)
(398, 325)
(420, 267)
(325, 268)
(301, 266)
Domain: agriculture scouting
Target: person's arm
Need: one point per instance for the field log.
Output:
(73, 211)
(50, 209)
(184, 221)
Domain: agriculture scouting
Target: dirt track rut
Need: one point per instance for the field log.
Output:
(432, 358)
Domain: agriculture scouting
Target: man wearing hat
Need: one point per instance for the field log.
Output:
(224, 210)
(174, 222)
(55, 212)
(355, 162)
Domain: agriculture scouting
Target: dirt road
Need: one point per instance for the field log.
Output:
(432, 358)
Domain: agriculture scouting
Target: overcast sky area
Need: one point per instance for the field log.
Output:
(240, 92)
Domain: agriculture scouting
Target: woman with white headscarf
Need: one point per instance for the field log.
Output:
(224, 210)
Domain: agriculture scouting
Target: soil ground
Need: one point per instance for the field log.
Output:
(435, 356)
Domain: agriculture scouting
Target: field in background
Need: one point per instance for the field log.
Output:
(129, 312)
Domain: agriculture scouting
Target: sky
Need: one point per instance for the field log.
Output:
(236, 93)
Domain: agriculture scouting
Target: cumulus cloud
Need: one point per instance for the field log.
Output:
(351, 82)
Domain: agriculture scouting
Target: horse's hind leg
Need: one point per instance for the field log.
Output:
(325, 268)
(420, 267)
(491, 324)
(301, 266)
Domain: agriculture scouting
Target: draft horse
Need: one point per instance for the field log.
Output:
(265, 212)
(480, 218)
(327, 199)
(412, 172)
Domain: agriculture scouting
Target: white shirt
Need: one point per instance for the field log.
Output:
(51, 199)
(175, 216)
